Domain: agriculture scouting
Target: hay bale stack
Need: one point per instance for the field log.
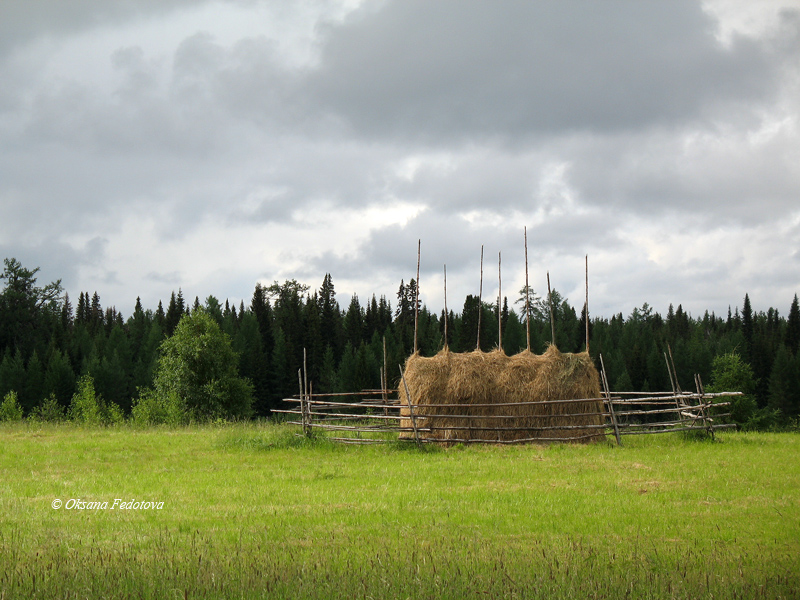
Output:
(494, 397)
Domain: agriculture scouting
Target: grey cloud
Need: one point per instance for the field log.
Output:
(451, 69)
(170, 277)
(24, 20)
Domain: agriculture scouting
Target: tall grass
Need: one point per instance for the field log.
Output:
(252, 511)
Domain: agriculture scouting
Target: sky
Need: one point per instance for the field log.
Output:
(148, 146)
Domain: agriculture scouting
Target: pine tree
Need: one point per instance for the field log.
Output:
(354, 323)
(793, 327)
(59, 378)
(330, 315)
(12, 373)
(784, 384)
(34, 384)
(160, 316)
(173, 316)
(262, 310)
(66, 314)
(747, 329)
(95, 315)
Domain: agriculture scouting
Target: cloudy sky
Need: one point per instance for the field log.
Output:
(151, 145)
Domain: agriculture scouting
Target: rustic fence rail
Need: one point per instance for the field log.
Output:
(373, 416)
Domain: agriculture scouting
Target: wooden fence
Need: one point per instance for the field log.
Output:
(373, 416)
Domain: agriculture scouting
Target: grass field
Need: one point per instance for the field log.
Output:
(250, 511)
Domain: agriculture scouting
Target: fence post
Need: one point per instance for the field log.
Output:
(610, 402)
(708, 422)
(302, 402)
(410, 408)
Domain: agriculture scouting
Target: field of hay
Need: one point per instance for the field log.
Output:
(251, 511)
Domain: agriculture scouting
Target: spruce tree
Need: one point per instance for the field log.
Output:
(34, 383)
(793, 327)
(330, 315)
(354, 323)
(160, 316)
(173, 316)
(784, 384)
(262, 310)
(95, 315)
(67, 316)
(747, 329)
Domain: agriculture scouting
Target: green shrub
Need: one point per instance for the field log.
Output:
(150, 408)
(729, 373)
(49, 411)
(198, 372)
(10, 409)
(84, 407)
(88, 407)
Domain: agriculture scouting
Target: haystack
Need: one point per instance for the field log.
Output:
(498, 398)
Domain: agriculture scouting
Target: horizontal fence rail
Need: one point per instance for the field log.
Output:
(374, 416)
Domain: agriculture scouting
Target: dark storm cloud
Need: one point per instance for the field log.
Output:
(450, 69)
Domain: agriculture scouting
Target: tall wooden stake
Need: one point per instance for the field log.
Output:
(586, 306)
(445, 307)
(550, 302)
(671, 380)
(527, 295)
(410, 407)
(499, 301)
(385, 382)
(480, 303)
(674, 370)
(308, 397)
(416, 299)
(610, 402)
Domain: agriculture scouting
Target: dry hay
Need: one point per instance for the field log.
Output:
(498, 398)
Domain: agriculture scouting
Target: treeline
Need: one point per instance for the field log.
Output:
(47, 345)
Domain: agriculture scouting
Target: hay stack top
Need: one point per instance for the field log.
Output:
(495, 397)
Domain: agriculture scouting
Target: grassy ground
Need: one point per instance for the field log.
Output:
(253, 512)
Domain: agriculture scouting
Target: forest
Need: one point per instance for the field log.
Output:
(48, 345)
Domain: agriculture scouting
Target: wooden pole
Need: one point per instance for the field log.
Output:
(416, 299)
(385, 381)
(708, 423)
(586, 306)
(410, 407)
(480, 303)
(671, 380)
(674, 370)
(445, 307)
(550, 302)
(302, 402)
(305, 387)
(527, 295)
(499, 302)
(609, 401)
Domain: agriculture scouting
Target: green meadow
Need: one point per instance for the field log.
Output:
(252, 511)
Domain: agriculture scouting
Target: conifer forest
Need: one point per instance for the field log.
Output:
(50, 341)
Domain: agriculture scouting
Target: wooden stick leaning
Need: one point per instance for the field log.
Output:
(410, 407)
(609, 401)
